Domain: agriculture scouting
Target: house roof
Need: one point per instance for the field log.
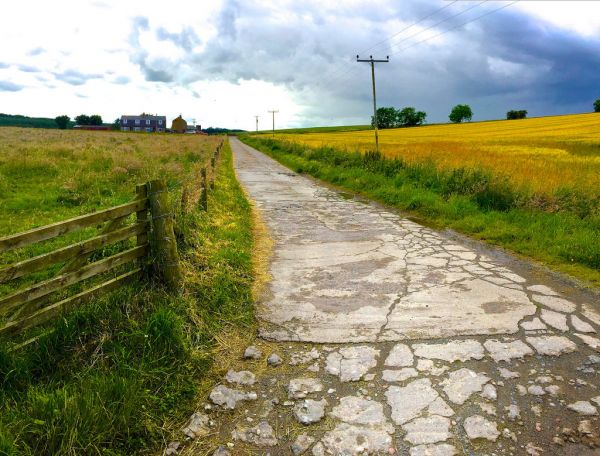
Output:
(147, 116)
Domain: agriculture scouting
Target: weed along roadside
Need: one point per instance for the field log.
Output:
(119, 373)
(472, 201)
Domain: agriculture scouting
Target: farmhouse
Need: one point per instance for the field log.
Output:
(144, 122)
(179, 125)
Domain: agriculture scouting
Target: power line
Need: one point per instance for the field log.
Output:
(410, 26)
(401, 31)
(351, 70)
(456, 27)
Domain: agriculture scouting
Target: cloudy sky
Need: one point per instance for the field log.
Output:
(222, 62)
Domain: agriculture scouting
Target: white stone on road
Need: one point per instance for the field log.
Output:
(302, 444)
(357, 410)
(409, 402)
(555, 319)
(478, 427)
(400, 356)
(442, 449)
(351, 363)
(245, 378)
(555, 303)
(304, 357)
(228, 398)
(580, 325)
(507, 351)
(456, 350)
(583, 408)
(260, 435)
(534, 324)
(350, 440)
(399, 375)
(427, 365)
(591, 313)
(432, 429)
(310, 411)
(551, 345)
(542, 289)
(462, 383)
(299, 388)
(590, 341)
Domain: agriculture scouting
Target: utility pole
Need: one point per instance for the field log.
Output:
(257, 122)
(373, 62)
(273, 112)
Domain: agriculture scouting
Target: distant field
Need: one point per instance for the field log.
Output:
(49, 175)
(546, 154)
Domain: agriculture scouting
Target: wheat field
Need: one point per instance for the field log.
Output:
(539, 155)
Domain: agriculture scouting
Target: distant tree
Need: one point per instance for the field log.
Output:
(511, 115)
(95, 119)
(62, 122)
(597, 105)
(460, 112)
(116, 125)
(82, 119)
(386, 118)
(410, 117)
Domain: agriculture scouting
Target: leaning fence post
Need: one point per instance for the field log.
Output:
(165, 246)
(204, 190)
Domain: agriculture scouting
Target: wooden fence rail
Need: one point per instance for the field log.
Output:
(155, 246)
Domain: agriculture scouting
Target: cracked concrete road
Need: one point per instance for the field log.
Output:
(349, 271)
(384, 337)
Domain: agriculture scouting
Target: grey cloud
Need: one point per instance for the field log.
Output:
(121, 80)
(36, 51)
(75, 77)
(28, 69)
(186, 39)
(4, 65)
(505, 61)
(6, 86)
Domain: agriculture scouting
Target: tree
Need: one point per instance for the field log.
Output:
(597, 105)
(386, 118)
(511, 115)
(62, 121)
(460, 112)
(82, 119)
(410, 117)
(95, 119)
(116, 125)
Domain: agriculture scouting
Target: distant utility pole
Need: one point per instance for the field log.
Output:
(273, 112)
(373, 62)
(256, 122)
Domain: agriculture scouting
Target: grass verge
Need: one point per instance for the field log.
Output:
(119, 374)
(473, 202)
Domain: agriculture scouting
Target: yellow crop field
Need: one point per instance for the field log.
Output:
(541, 155)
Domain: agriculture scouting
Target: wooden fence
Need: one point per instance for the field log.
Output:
(155, 252)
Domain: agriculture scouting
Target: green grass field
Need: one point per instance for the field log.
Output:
(120, 375)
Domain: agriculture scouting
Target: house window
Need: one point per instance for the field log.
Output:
(160, 122)
(137, 121)
(125, 128)
(124, 121)
(147, 121)
(149, 130)
(137, 128)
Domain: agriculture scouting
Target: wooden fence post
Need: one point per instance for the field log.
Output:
(213, 162)
(204, 190)
(165, 246)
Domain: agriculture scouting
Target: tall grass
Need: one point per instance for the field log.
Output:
(119, 374)
(472, 200)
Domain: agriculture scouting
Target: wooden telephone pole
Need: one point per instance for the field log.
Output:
(273, 112)
(256, 122)
(373, 62)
